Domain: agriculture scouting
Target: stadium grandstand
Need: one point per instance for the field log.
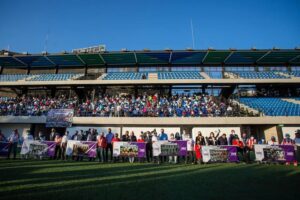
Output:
(255, 90)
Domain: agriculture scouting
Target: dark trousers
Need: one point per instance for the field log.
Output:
(189, 157)
(109, 147)
(57, 153)
(149, 152)
(100, 154)
(12, 147)
(63, 151)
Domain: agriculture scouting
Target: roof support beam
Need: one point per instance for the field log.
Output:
(294, 58)
(20, 61)
(228, 56)
(101, 57)
(80, 59)
(135, 57)
(204, 57)
(47, 58)
(170, 58)
(263, 56)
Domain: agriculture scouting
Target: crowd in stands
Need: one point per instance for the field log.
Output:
(118, 106)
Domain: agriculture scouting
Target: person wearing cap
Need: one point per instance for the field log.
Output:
(288, 141)
(272, 141)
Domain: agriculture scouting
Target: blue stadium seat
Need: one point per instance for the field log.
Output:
(179, 75)
(259, 75)
(272, 106)
(53, 77)
(13, 77)
(125, 75)
(215, 75)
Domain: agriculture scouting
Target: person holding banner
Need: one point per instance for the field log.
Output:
(101, 146)
(63, 145)
(13, 140)
(126, 137)
(250, 147)
(52, 134)
(57, 140)
(163, 136)
(109, 146)
(148, 140)
(115, 139)
(222, 140)
(288, 141)
(200, 138)
(132, 137)
(212, 139)
(198, 154)
(171, 158)
(190, 147)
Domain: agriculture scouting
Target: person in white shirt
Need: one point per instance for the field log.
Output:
(297, 137)
(171, 158)
(63, 145)
(190, 147)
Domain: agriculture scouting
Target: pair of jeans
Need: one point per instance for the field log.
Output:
(100, 154)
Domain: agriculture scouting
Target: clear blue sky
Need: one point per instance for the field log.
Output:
(153, 24)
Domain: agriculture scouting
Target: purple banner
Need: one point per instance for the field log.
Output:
(51, 148)
(92, 151)
(141, 148)
(182, 147)
(289, 152)
(232, 153)
(4, 148)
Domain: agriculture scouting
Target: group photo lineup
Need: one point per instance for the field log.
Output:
(149, 100)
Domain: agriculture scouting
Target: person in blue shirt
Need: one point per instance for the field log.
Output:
(109, 146)
(163, 135)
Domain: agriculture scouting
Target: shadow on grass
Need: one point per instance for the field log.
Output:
(147, 181)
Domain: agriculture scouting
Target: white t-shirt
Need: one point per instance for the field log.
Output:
(154, 138)
(272, 143)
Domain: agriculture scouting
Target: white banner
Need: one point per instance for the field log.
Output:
(214, 154)
(31, 147)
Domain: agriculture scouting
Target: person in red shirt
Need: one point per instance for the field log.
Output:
(141, 138)
(198, 153)
(101, 146)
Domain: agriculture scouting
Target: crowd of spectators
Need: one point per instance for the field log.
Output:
(122, 106)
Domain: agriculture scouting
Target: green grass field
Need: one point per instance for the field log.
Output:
(48, 179)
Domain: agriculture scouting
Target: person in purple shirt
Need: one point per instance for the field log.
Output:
(109, 146)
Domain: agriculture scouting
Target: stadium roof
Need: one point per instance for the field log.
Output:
(164, 57)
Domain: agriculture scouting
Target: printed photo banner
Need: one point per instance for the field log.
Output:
(166, 148)
(274, 153)
(182, 147)
(59, 118)
(38, 148)
(135, 149)
(4, 148)
(219, 154)
(75, 148)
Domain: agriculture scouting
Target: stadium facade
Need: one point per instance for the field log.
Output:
(259, 89)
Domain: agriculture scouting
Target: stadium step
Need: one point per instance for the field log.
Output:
(152, 76)
(102, 76)
(291, 101)
(204, 75)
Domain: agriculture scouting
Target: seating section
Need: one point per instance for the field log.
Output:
(54, 77)
(259, 75)
(125, 76)
(179, 75)
(13, 77)
(272, 106)
(215, 75)
(296, 74)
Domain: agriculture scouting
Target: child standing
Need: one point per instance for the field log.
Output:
(198, 153)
